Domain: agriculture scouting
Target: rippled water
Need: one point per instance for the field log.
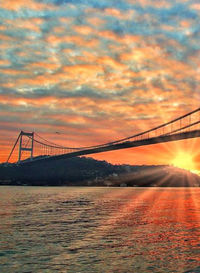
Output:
(99, 229)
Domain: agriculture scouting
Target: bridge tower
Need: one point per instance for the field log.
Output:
(28, 146)
(23, 147)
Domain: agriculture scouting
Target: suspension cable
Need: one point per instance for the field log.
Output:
(53, 145)
(13, 147)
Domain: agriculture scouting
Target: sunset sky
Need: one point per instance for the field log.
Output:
(84, 72)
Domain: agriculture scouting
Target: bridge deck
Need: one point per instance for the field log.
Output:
(123, 145)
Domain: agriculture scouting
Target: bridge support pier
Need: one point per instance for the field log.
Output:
(23, 147)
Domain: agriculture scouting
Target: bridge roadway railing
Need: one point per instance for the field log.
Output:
(186, 123)
(185, 126)
(123, 145)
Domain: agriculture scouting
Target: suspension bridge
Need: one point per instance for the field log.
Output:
(37, 148)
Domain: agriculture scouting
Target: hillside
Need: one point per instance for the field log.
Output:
(81, 171)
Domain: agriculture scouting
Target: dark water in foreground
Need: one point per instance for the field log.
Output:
(99, 229)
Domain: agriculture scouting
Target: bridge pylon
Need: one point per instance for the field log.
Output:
(28, 146)
(23, 147)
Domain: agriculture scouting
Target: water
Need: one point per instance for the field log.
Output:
(99, 229)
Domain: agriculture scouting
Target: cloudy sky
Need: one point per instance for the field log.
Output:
(96, 71)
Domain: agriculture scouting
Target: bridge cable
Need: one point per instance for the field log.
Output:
(53, 145)
(13, 147)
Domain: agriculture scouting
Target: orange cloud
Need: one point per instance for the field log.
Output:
(44, 65)
(106, 60)
(20, 4)
(108, 34)
(84, 57)
(140, 54)
(125, 15)
(59, 29)
(80, 73)
(2, 28)
(77, 40)
(95, 21)
(32, 24)
(4, 62)
(65, 20)
(83, 30)
(195, 6)
(125, 41)
(21, 54)
(41, 80)
(185, 23)
(13, 72)
(168, 27)
(154, 3)
(84, 71)
(15, 101)
(6, 38)
(129, 39)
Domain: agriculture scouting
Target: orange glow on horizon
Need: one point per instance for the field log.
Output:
(185, 160)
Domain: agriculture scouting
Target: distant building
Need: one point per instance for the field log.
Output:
(123, 185)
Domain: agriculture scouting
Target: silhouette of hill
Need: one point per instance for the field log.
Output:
(82, 171)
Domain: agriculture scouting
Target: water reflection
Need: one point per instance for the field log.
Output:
(99, 229)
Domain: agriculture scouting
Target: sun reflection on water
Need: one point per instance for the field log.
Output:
(101, 229)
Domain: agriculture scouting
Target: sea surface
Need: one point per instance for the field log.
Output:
(77, 229)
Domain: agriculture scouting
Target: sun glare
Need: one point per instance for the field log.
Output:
(185, 161)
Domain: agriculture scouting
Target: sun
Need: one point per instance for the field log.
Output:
(184, 160)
